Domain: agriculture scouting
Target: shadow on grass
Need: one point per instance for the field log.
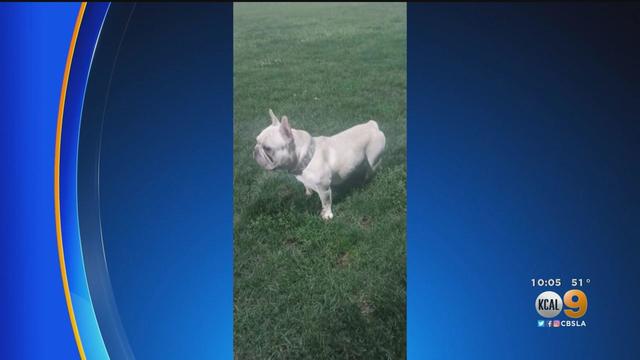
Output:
(360, 180)
(280, 194)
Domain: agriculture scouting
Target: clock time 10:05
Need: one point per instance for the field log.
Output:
(546, 282)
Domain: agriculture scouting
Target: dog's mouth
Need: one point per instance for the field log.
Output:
(267, 162)
(266, 155)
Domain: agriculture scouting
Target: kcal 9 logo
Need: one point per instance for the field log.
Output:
(549, 304)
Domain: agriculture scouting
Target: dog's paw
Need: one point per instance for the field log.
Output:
(326, 215)
(308, 192)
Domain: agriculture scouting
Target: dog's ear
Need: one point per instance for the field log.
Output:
(285, 128)
(274, 118)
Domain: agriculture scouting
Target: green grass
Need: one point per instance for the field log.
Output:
(305, 288)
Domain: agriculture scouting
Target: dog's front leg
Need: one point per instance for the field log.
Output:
(307, 190)
(325, 198)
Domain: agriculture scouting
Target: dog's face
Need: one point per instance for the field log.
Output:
(275, 148)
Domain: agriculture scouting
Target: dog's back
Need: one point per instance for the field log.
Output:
(353, 146)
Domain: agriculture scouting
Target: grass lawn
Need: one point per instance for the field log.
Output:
(305, 288)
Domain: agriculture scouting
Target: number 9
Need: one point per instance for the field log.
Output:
(580, 304)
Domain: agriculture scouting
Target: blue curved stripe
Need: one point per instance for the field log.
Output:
(89, 330)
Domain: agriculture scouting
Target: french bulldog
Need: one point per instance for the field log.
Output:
(319, 162)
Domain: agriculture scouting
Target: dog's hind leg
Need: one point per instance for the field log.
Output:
(370, 170)
(375, 148)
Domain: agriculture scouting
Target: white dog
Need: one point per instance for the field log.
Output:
(321, 161)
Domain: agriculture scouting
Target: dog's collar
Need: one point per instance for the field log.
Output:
(305, 160)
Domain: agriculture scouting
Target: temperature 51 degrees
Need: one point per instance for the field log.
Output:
(580, 282)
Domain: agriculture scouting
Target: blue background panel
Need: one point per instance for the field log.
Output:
(162, 89)
(523, 143)
(34, 42)
(183, 305)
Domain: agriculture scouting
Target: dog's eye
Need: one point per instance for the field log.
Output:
(266, 148)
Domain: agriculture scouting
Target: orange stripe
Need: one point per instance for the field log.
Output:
(56, 180)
